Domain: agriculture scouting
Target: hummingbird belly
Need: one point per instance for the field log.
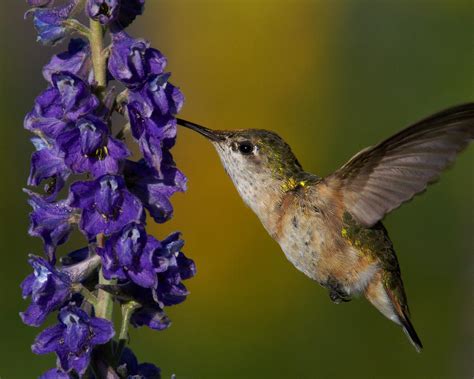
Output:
(312, 242)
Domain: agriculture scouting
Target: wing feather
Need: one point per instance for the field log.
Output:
(381, 178)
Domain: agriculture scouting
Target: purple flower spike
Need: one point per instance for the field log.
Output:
(130, 367)
(48, 163)
(132, 60)
(49, 21)
(127, 256)
(106, 205)
(52, 222)
(48, 289)
(75, 141)
(89, 148)
(76, 60)
(155, 191)
(104, 11)
(74, 338)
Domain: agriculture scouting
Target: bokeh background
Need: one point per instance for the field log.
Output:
(331, 77)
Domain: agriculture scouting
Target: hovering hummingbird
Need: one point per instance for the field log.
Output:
(330, 228)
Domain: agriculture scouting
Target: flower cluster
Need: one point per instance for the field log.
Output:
(91, 184)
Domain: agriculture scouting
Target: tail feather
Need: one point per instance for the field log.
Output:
(411, 333)
(393, 306)
(403, 314)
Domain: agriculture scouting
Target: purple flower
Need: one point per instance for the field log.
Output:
(49, 22)
(52, 222)
(152, 316)
(106, 205)
(46, 118)
(132, 60)
(158, 95)
(76, 60)
(129, 10)
(80, 264)
(153, 133)
(47, 163)
(151, 111)
(88, 147)
(150, 313)
(152, 190)
(75, 95)
(173, 267)
(130, 368)
(67, 100)
(48, 289)
(74, 338)
(104, 11)
(127, 256)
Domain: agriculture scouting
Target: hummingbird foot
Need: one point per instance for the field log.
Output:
(338, 298)
(337, 293)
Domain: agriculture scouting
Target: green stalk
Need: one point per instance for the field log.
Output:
(98, 58)
(105, 304)
(127, 311)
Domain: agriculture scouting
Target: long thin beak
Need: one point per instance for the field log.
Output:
(208, 133)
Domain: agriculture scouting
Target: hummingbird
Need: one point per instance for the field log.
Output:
(330, 228)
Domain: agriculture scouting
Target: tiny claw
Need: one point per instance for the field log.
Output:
(338, 297)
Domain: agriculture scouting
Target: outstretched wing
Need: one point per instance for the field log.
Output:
(381, 178)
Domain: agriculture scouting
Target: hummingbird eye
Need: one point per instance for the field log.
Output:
(246, 148)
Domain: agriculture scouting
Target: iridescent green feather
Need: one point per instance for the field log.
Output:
(375, 243)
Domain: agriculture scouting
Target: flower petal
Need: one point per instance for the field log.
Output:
(48, 340)
(102, 329)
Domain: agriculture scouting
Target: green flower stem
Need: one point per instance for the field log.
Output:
(127, 311)
(98, 58)
(88, 295)
(105, 304)
(105, 301)
(77, 27)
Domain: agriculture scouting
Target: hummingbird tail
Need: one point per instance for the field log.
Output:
(391, 302)
(411, 333)
(401, 309)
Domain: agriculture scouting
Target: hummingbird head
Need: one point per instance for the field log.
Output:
(258, 161)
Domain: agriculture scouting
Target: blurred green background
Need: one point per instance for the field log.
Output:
(331, 77)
